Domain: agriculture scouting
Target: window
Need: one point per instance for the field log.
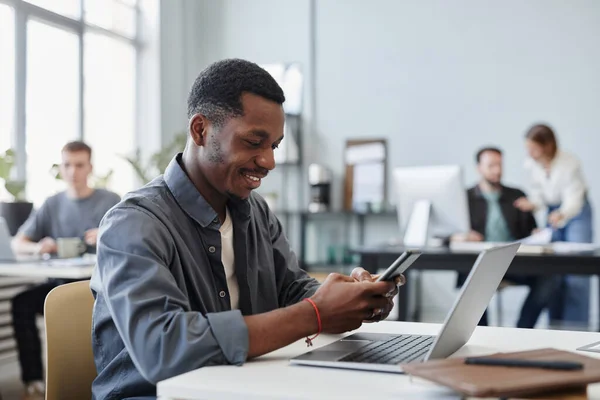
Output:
(7, 76)
(52, 102)
(68, 8)
(116, 15)
(68, 72)
(110, 106)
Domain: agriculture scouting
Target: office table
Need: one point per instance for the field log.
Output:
(271, 376)
(443, 259)
(42, 270)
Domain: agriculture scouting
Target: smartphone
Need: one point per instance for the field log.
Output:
(400, 265)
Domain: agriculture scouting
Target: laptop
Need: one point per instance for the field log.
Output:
(388, 353)
(6, 251)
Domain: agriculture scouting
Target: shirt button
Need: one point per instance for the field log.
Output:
(222, 293)
(212, 249)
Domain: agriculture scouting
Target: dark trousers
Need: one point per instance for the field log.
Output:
(572, 304)
(26, 306)
(542, 290)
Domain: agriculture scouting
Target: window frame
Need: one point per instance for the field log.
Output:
(23, 12)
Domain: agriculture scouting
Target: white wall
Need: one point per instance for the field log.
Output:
(437, 79)
(179, 38)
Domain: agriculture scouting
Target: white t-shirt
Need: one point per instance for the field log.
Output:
(564, 184)
(227, 258)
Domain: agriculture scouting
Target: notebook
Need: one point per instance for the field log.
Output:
(495, 381)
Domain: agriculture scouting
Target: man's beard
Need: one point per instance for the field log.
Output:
(234, 197)
(495, 185)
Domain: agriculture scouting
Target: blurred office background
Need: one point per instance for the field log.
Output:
(436, 80)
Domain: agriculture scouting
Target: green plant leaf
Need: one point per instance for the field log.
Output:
(137, 165)
(7, 162)
(16, 189)
(102, 181)
(55, 171)
(158, 162)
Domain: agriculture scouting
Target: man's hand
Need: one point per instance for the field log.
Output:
(471, 236)
(46, 246)
(91, 237)
(344, 303)
(360, 275)
(523, 204)
(555, 218)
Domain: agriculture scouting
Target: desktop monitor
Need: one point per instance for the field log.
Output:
(431, 202)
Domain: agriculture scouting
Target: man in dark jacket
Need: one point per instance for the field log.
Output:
(494, 218)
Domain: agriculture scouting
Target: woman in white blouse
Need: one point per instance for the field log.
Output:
(558, 186)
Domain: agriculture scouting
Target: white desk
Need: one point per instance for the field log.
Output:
(271, 376)
(42, 270)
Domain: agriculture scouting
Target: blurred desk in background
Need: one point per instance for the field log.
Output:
(444, 259)
(39, 269)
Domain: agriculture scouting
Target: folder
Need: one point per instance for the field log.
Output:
(500, 381)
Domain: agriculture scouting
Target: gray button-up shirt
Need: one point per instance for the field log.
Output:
(162, 305)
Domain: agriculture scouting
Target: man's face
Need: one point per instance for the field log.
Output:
(490, 167)
(75, 168)
(239, 154)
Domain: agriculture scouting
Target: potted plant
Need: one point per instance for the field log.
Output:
(17, 211)
(158, 161)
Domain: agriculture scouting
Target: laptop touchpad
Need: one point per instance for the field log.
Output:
(347, 346)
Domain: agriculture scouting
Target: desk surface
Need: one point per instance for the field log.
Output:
(584, 263)
(271, 376)
(38, 269)
(445, 251)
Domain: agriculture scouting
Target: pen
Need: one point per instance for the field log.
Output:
(512, 362)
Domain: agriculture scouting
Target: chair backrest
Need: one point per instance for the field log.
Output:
(70, 368)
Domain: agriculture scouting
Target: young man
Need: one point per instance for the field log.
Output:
(494, 218)
(76, 212)
(194, 269)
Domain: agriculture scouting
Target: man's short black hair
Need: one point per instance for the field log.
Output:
(485, 149)
(217, 91)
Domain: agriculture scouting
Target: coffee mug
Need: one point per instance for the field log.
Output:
(70, 247)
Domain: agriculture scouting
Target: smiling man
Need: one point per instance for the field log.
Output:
(194, 269)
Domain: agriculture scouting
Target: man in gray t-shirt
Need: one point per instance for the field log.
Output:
(76, 212)
(63, 216)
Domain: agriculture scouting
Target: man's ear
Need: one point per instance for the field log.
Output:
(198, 129)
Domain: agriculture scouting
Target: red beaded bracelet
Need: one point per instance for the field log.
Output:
(308, 339)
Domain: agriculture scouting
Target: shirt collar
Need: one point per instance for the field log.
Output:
(190, 199)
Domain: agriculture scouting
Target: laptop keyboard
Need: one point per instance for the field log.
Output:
(397, 350)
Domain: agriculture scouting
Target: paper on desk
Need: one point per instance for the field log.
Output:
(543, 237)
(570, 247)
(72, 262)
(593, 347)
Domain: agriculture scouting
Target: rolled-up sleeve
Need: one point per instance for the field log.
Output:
(293, 283)
(151, 313)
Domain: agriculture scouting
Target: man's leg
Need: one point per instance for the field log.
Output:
(542, 290)
(577, 294)
(556, 306)
(25, 308)
(484, 320)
